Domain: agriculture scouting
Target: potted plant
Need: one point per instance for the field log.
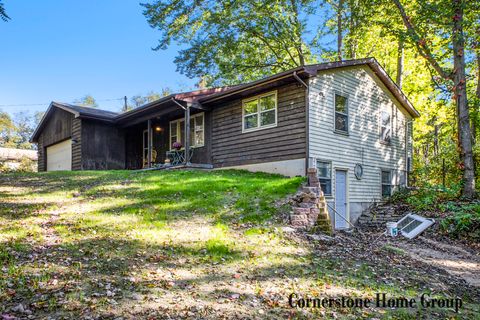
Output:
(177, 145)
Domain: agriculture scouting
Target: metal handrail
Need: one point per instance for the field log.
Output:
(336, 212)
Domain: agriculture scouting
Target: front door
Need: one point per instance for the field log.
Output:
(341, 215)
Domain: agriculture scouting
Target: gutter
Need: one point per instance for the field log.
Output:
(250, 86)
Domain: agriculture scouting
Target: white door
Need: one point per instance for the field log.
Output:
(341, 199)
(59, 156)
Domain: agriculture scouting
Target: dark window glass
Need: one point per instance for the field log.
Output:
(341, 113)
(386, 183)
(386, 128)
(324, 170)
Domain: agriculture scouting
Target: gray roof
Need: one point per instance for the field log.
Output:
(83, 111)
(77, 111)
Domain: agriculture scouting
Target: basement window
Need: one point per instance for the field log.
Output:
(324, 171)
(412, 225)
(386, 183)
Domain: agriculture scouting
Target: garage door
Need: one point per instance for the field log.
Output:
(59, 156)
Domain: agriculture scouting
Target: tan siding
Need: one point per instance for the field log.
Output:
(366, 98)
(285, 141)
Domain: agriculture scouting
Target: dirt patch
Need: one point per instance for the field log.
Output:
(455, 260)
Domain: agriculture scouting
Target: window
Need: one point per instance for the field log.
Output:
(260, 112)
(386, 183)
(341, 113)
(412, 225)
(197, 131)
(385, 126)
(324, 171)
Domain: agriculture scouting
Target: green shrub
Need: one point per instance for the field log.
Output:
(464, 221)
(428, 197)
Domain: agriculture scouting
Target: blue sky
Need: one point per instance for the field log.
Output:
(63, 49)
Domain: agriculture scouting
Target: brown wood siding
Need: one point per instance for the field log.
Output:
(77, 144)
(284, 142)
(103, 146)
(41, 166)
(58, 128)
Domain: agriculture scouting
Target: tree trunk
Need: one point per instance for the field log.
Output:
(476, 107)
(339, 30)
(400, 59)
(460, 94)
(353, 30)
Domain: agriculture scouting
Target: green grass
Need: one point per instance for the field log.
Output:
(149, 244)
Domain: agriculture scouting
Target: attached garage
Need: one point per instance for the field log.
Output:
(59, 156)
(73, 137)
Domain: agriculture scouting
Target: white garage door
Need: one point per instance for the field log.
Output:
(59, 156)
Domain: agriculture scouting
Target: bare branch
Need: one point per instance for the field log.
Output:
(421, 43)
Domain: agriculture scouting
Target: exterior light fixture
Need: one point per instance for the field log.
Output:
(158, 129)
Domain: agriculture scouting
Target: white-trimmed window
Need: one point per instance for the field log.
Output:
(324, 172)
(412, 225)
(341, 113)
(197, 131)
(259, 112)
(386, 183)
(385, 126)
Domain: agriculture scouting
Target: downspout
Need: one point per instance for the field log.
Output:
(307, 118)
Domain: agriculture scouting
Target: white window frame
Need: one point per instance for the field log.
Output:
(258, 97)
(179, 132)
(335, 94)
(389, 141)
(425, 223)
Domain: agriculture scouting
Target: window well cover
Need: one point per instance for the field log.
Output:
(412, 225)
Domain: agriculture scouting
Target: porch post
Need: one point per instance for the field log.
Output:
(149, 142)
(187, 134)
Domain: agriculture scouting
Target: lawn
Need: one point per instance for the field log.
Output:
(187, 244)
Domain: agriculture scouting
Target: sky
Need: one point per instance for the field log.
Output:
(62, 50)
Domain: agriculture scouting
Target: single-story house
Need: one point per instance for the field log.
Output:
(11, 158)
(348, 119)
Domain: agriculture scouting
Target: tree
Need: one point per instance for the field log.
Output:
(139, 100)
(419, 36)
(233, 41)
(7, 127)
(24, 127)
(3, 13)
(87, 101)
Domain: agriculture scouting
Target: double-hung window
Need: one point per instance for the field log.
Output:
(197, 131)
(341, 113)
(260, 112)
(385, 126)
(324, 171)
(386, 183)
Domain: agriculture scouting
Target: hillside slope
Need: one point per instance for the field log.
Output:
(186, 244)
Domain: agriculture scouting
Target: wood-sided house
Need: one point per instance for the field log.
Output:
(348, 119)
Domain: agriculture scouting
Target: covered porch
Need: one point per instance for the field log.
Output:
(152, 131)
